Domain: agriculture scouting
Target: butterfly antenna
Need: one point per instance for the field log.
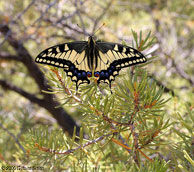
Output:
(99, 28)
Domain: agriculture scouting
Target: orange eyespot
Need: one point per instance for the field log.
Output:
(96, 74)
(89, 74)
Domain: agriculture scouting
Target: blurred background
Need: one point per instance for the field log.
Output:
(27, 27)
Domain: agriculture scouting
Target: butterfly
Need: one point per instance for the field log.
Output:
(84, 59)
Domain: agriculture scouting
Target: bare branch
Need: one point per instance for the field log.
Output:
(7, 56)
(182, 73)
(31, 97)
(80, 17)
(16, 18)
(23, 11)
(26, 58)
(46, 10)
(173, 65)
(101, 15)
(160, 84)
(49, 101)
(63, 25)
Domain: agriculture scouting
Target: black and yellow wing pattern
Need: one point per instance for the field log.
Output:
(69, 56)
(113, 57)
(83, 59)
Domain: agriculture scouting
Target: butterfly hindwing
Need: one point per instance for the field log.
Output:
(113, 57)
(69, 56)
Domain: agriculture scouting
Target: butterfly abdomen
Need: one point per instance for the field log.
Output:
(91, 54)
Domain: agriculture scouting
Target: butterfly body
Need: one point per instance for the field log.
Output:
(84, 59)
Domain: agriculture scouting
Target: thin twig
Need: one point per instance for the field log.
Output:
(80, 17)
(15, 19)
(182, 73)
(67, 90)
(44, 13)
(101, 16)
(72, 150)
(135, 142)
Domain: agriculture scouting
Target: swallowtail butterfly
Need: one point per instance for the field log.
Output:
(84, 59)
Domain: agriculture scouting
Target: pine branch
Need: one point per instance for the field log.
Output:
(71, 150)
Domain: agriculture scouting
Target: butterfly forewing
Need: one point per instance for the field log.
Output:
(124, 55)
(69, 56)
(113, 57)
(60, 54)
